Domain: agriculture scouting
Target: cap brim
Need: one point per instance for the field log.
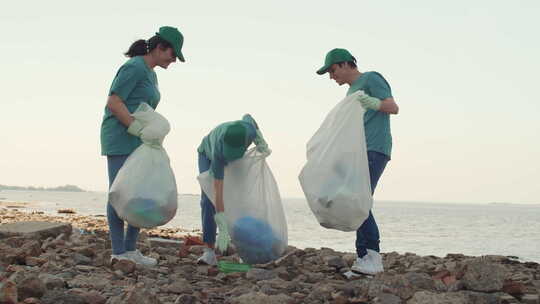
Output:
(180, 56)
(323, 70)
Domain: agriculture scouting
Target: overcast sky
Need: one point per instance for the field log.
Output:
(462, 72)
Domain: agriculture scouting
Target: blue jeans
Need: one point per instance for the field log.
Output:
(116, 224)
(367, 236)
(207, 208)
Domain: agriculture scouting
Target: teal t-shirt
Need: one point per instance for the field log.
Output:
(376, 123)
(212, 145)
(134, 83)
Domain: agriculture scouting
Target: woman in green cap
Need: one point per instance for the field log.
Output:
(134, 83)
(225, 143)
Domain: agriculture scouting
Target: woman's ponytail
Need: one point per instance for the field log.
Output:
(137, 48)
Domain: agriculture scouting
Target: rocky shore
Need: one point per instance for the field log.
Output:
(66, 259)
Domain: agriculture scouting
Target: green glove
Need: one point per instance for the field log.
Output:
(135, 128)
(368, 102)
(223, 236)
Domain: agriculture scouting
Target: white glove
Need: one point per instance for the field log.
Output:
(261, 144)
(135, 128)
(223, 236)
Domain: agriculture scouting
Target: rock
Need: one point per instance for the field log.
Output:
(93, 297)
(483, 275)
(164, 243)
(427, 297)
(33, 261)
(186, 299)
(259, 274)
(530, 299)
(180, 287)
(420, 280)
(8, 292)
(513, 288)
(62, 297)
(31, 287)
(40, 230)
(126, 266)
(52, 281)
(140, 295)
(334, 261)
(386, 298)
(508, 299)
(80, 259)
(31, 301)
(261, 298)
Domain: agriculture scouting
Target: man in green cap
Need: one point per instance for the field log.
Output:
(379, 104)
(225, 143)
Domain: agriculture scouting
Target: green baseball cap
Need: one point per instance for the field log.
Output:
(335, 56)
(234, 141)
(174, 37)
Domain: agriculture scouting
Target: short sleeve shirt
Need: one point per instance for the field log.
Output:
(376, 123)
(212, 146)
(134, 83)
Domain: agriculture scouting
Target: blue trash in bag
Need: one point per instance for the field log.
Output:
(255, 241)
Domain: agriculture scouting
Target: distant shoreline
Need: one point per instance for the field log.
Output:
(65, 188)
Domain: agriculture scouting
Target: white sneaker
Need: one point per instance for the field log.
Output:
(122, 256)
(137, 257)
(363, 265)
(376, 260)
(208, 257)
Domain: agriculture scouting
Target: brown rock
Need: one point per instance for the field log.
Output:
(181, 286)
(8, 292)
(31, 287)
(140, 295)
(513, 288)
(126, 266)
(31, 301)
(449, 280)
(94, 297)
(186, 299)
(33, 261)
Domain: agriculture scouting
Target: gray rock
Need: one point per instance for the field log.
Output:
(40, 230)
(164, 243)
(259, 274)
(62, 297)
(427, 297)
(186, 299)
(420, 280)
(530, 299)
(334, 261)
(483, 275)
(80, 259)
(386, 298)
(261, 298)
(52, 281)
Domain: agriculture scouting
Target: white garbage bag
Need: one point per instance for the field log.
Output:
(253, 208)
(144, 191)
(335, 179)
